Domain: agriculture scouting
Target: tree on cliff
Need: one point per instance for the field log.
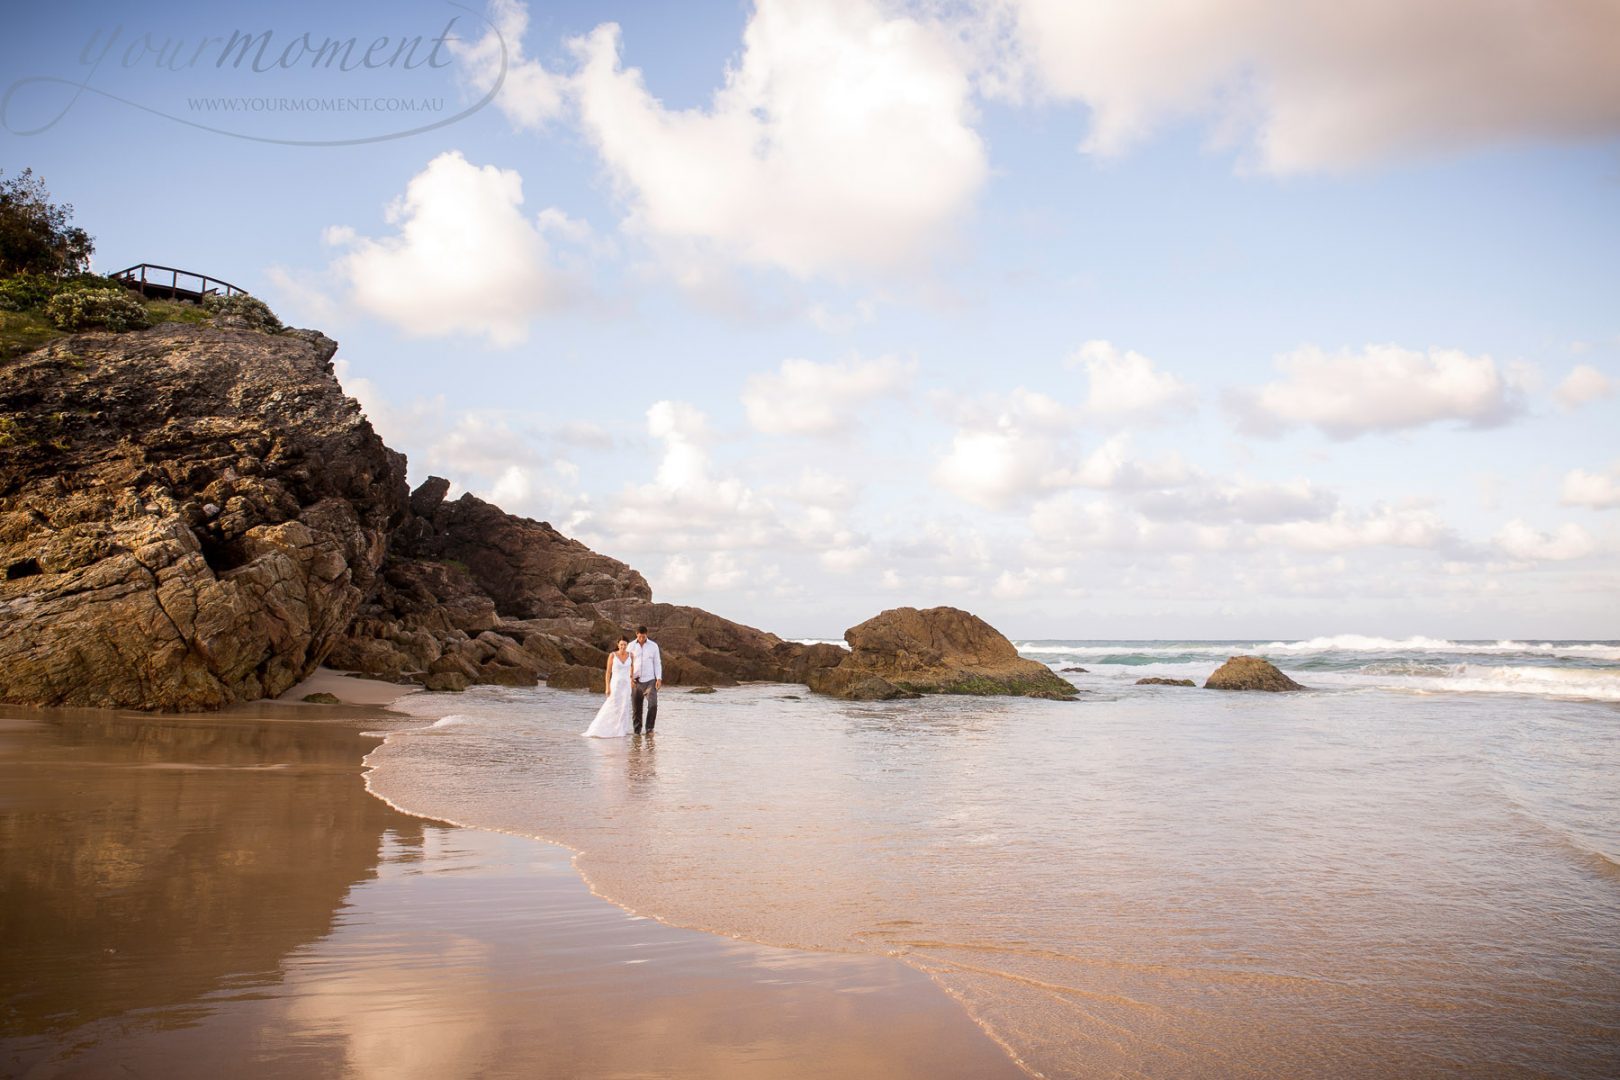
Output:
(35, 234)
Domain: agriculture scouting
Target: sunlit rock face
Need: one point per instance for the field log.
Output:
(189, 516)
(941, 650)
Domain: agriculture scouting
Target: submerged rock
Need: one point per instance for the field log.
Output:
(701, 690)
(940, 650)
(1157, 681)
(1250, 673)
(853, 684)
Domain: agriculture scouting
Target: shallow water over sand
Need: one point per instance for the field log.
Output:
(1151, 881)
(204, 897)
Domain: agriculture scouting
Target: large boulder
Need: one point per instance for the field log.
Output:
(940, 650)
(1250, 673)
(189, 516)
(729, 651)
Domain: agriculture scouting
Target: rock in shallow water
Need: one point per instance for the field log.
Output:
(1157, 681)
(940, 650)
(1250, 673)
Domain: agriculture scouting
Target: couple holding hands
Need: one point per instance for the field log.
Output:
(635, 671)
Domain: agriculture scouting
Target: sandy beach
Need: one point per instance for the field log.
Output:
(206, 895)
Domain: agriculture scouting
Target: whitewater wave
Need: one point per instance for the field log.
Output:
(1338, 643)
(453, 720)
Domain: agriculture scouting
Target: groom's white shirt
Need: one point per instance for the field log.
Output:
(644, 658)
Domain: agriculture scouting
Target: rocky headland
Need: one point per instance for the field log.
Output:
(196, 514)
(189, 516)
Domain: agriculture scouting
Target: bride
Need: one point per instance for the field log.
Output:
(613, 718)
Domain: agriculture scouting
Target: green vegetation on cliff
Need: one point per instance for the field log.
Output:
(46, 291)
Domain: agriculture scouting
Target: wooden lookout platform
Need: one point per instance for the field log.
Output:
(167, 283)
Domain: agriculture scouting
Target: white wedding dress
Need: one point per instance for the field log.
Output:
(613, 718)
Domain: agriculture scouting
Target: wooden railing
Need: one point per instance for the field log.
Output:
(148, 278)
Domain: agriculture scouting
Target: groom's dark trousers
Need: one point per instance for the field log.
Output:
(645, 692)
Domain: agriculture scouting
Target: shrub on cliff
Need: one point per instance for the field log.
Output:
(24, 292)
(35, 236)
(243, 312)
(110, 308)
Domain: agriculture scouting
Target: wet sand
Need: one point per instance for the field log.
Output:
(218, 895)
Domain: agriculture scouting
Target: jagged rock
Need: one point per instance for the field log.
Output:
(1250, 673)
(508, 675)
(445, 680)
(373, 656)
(427, 497)
(577, 677)
(121, 588)
(322, 698)
(800, 660)
(526, 567)
(940, 650)
(1158, 681)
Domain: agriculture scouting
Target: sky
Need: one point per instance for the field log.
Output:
(1239, 319)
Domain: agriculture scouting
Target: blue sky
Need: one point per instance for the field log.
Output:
(1275, 320)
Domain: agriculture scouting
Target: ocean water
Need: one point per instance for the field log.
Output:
(1412, 869)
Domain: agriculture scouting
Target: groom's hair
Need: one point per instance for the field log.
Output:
(641, 629)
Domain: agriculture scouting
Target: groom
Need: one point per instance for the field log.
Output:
(646, 675)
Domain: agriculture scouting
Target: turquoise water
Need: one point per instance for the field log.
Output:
(1411, 869)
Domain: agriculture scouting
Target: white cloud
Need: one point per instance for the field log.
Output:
(1569, 541)
(680, 574)
(464, 259)
(1126, 386)
(806, 398)
(998, 469)
(1600, 491)
(1110, 466)
(1019, 585)
(845, 560)
(1251, 503)
(413, 425)
(1380, 388)
(1384, 526)
(529, 94)
(822, 489)
(722, 571)
(1326, 85)
(841, 140)
(548, 493)
(1067, 525)
(1007, 451)
(1583, 384)
(687, 506)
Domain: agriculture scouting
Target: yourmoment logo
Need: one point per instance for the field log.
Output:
(302, 88)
